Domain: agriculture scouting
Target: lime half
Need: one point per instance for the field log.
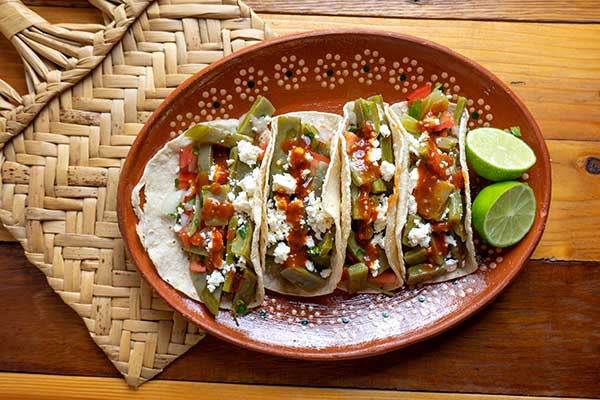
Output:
(497, 155)
(504, 212)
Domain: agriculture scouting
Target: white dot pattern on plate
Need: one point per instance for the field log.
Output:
(291, 72)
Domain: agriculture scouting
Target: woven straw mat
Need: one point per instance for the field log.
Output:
(91, 88)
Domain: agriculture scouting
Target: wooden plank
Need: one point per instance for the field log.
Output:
(489, 10)
(513, 10)
(541, 337)
(30, 386)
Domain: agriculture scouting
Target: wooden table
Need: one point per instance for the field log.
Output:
(539, 338)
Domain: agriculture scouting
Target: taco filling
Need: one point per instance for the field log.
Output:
(300, 232)
(370, 159)
(218, 182)
(434, 236)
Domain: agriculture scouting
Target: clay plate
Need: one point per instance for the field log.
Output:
(321, 71)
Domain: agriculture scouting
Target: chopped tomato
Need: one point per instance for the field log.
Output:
(319, 157)
(351, 139)
(419, 93)
(186, 156)
(385, 278)
(196, 265)
(446, 121)
(185, 179)
(184, 237)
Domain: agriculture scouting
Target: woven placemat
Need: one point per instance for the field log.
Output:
(91, 88)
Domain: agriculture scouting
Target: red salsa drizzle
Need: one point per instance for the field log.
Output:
(297, 149)
(433, 170)
(358, 145)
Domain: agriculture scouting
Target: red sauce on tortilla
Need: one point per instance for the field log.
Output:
(212, 209)
(294, 215)
(299, 159)
(358, 146)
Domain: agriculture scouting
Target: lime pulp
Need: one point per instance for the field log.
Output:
(504, 212)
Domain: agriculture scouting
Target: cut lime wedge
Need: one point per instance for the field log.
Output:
(497, 155)
(503, 213)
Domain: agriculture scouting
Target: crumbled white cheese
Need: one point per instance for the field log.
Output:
(450, 241)
(420, 234)
(213, 170)
(248, 184)
(260, 124)
(230, 196)
(378, 240)
(278, 226)
(381, 220)
(305, 173)
(387, 170)
(412, 204)
(374, 154)
(225, 268)
(374, 267)
(310, 267)
(242, 203)
(286, 166)
(248, 153)
(284, 183)
(413, 178)
(317, 218)
(415, 144)
(310, 242)
(241, 220)
(450, 264)
(229, 162)
(384, 130)
(325, 273)
(308, 156)
(214, 280)
(177, 228)
(281, 252)
(242, 261)
(375, 142)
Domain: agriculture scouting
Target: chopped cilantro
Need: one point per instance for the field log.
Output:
(515, 130)
(415, 109)
(196, 222)
(243, 231)
(352, 128)
(176, 183)
(438, 86)
(314, 251)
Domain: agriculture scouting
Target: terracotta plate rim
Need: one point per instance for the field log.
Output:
(379, 346)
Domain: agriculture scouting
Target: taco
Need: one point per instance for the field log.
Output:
(370, 179)
(200, 217)
(301, 243)
(434, 223)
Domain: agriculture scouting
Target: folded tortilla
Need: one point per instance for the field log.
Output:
(327, 125)
(391, 246)
(156, 228)
(469, 265)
